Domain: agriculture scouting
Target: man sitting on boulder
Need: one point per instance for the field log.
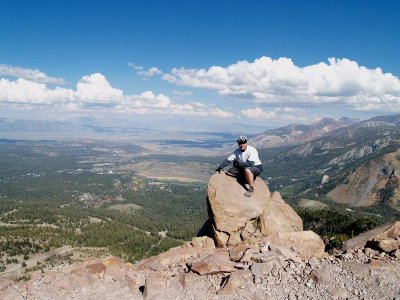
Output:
(246, 162)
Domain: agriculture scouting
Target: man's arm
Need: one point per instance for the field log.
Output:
(222, 165)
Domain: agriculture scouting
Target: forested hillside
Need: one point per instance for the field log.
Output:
(81, 199)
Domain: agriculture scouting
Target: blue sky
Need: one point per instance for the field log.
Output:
(199, 65)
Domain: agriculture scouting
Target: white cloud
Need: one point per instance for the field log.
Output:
(136, 67)
(96, 88)
(150, 72)
(146, 100)
(141, 71)
(258, 113)
(29, 74)
(29, 92)
(281, 114)
(182, 93)
(340, 81)
(200, 110)
(94, 93)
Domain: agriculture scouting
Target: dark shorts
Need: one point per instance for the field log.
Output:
(256, 170)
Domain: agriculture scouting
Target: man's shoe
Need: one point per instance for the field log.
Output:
(249, 192)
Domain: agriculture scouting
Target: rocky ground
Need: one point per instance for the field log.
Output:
(197, 270)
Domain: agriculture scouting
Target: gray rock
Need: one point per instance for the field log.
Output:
(260, 270)
(340, 293)
(314, 262)
(285, 252)
(320, 276)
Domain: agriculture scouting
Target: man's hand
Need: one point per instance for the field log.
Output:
(218, 170)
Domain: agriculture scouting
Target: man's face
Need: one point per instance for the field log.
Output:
(242, 146)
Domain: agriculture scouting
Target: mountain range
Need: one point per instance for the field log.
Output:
(361, 161)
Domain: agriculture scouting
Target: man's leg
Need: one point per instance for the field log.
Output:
(250, 180)
(249, 176)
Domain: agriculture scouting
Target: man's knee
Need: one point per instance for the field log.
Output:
(247, 170)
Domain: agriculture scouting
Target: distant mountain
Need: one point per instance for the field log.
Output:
(362, 162)
(15, 125)
(393, 119)
(297, 134)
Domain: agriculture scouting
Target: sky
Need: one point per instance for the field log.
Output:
(199, 65)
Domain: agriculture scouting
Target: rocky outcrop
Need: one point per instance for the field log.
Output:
(384, 237)
(236, 218)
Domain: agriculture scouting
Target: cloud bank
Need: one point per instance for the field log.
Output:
(28, 74)
(280, 81)
(94, 93)
(264, 90)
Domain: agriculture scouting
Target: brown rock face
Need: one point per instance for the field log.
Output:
(307, 244)
(279, 217)
(387, 231)
(231, 210)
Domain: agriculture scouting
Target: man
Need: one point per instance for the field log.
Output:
(246, 161)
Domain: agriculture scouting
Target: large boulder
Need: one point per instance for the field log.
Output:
(230, 209)
(384, 232)
(279, 217)
(235, 218)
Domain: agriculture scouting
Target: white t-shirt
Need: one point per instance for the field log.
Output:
(250, 154)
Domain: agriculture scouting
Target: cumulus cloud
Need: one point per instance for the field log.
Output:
(28, 92)
(96, 88)
(29, 74)
(340, 81)
(94, 92)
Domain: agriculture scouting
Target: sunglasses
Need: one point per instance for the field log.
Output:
(241, 143)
